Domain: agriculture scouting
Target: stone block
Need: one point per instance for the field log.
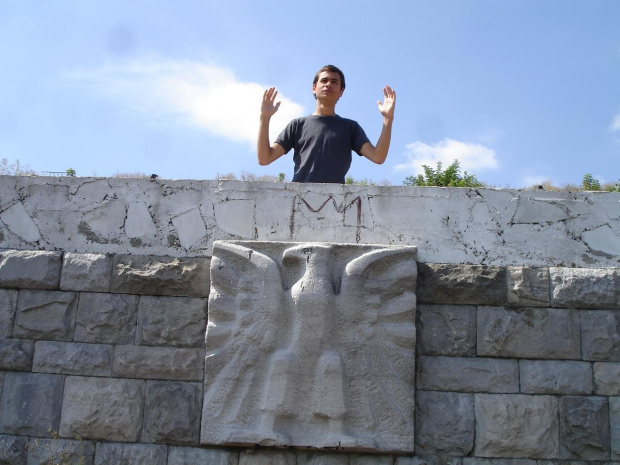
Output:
(429, 460)
(135, 274)
(130, 454)
(516, 426)
(259, 457)
(45, 315)
(485, 461)
(311, 345)
(60, 451)
(446, 330)
(102, 409)
(468, 374)
(72, 358)
(86, 272)
(461, 284)
(320, 458)
(26, 269)
(359, 459)
(158, 363)
(8, 303)
(528, 287)
(444, 423)
(16, 354)
(30, 403)
(528, 333)
(585, 288)
(172, 321)
(196, 456)
(106, 318)
(584, 428)
(555, 377)
(607, 379)
(614, 426)
(13, 450)
(600, 335)
(172, 412)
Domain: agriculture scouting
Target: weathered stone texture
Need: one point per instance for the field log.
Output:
(195, 456)
(13, 450)
(461, 284)
(102, 409)
(486, 461)
(172, 321)
(359, 459)
(106, 318)
(607, 378)
(158, 363)
(45, 315)
(600, 335)
(258, 457)
(134, 274)
(60, 451)
(73, 358)
(468, 374)
(338, 372)
(555, 377)
(529, 333)
(429, 460)
(25, 269)
(86, 272)
(584, 428)
(130, 454)
(8, 303)
(585, 288)
(30, 403)
(319, 458)
(614, 426)
(528, 287)
(516, 425)
(172, 412)
(16, 354)
(444, 423)
(446, 330)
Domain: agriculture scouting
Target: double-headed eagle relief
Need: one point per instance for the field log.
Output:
(311, 345)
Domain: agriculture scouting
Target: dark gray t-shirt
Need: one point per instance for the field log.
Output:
(322, 147)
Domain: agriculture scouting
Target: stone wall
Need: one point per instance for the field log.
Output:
(104, 287)
(183, 218)
(513, 363)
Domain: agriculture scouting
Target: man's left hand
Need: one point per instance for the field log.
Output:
(389, 102)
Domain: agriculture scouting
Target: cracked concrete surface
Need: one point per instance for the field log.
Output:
(184, 217)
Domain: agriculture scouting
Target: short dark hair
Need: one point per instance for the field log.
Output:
(331, 69)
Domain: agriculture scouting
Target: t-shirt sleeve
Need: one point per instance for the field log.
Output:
(286, 138)
(358, 138)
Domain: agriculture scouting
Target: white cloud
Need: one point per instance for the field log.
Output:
(472, 157)
(615, 125)
(188, 93)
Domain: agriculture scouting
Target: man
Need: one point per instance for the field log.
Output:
(323, 141)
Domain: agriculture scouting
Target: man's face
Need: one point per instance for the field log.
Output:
(328, 86)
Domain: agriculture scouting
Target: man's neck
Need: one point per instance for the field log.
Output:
(323, 109)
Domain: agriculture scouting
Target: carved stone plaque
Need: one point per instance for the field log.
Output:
(311, 345)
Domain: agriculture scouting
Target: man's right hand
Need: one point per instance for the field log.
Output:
(268, 108)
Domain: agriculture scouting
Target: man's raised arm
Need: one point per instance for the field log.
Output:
(378, 153)
(267, 153)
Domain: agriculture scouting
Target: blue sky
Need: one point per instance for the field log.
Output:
(518, 91)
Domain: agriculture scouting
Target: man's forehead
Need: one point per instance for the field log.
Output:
(331, 75)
